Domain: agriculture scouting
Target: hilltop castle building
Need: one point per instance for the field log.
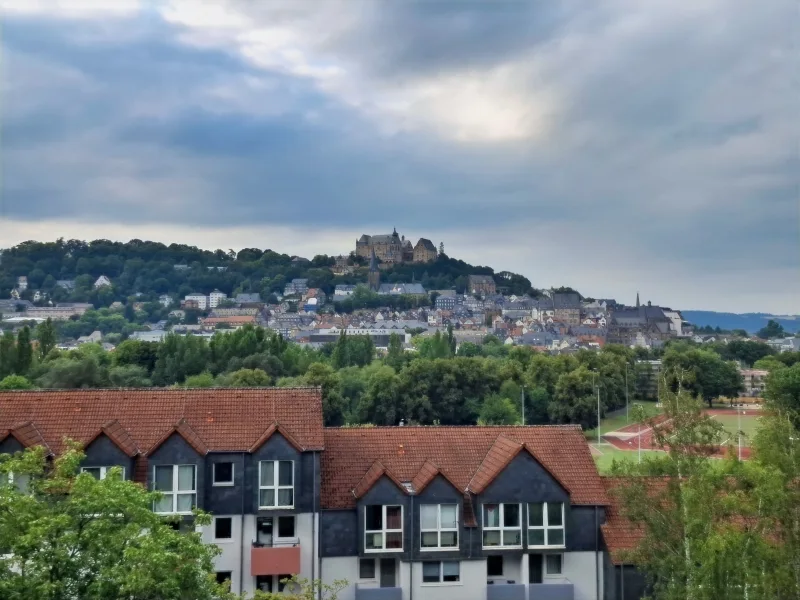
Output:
(393, 248)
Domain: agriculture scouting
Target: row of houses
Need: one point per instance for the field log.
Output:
(430, 513)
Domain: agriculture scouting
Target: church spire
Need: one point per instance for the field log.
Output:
(373, 266)
(637, 300)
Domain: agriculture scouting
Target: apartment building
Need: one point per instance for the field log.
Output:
(461, 513)
(401, 513)
(251, 457)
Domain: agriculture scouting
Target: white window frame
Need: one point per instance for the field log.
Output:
(501, 528)
(546, 506)
(440, 581)
(438, 530)
(214, 531)
(545, 572)
(215, 483)
(275, 487)
(103, 470)
(175, 491)
(384, 530)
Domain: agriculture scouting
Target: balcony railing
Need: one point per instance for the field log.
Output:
(499, 590)
(554, 589)
(371, 592)
(275, 558)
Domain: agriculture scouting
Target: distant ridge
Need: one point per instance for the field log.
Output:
(750, 322)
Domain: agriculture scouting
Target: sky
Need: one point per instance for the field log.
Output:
(616, 147)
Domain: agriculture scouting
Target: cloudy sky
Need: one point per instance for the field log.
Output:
(614, 146)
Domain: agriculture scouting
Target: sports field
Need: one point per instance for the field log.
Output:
(605, 454)
(749, 424)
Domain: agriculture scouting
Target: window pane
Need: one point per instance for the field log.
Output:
(449, 516)
(222, 528)
(511, 537)
(223, 472)
(553, 564)
(373, 541)
(555, 537)
(554, 515)
(185, 502)
(430, 572)
(393, 520)
(186, 478)
(449, 539)
(428, 515)
(267, 473)
(285, 497)
(451, 571)
(491, 515)
(163, 479)
(511, 515)
(164, 505)
(535, 515)
(286, 527)
(266, 498)
(394, 540)
(494, 566)
(93, 471)
(366, 568)
(491, 538)
(285, 472)
(430, 540)
(536, 537)
(374, 519)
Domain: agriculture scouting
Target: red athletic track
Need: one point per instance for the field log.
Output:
(646, 435)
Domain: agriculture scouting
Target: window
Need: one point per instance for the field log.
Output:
(100, 472)
(223, 576)
(494, 565)
(178, 484)
(502, 526)
(439, 525)
(552, 564)
(383, 528)
(271, 529)
(546, 525)
(223, 473)
(21, 482)
(285, 527)
(441, 572)
(366, 568)
(276, 484)
(223, 528)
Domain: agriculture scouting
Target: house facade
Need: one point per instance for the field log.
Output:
(481, 284)
(394, 248)
(401, 513)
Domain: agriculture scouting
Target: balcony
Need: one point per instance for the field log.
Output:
(558, 589)
(368, 592)
(276, 559)
(505, 591)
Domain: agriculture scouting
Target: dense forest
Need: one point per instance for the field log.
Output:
(434, 383)
(148, 269)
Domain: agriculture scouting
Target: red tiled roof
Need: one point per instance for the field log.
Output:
(619, 534)
(458, 452)
(26, 433)
(224, 419)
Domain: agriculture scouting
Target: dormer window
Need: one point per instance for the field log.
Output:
(178, 486)
(100, 472)
(275, 484)
(502, 526)
(438, 526)
(383, 528)
(546, 525)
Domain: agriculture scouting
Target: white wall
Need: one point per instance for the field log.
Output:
(581, 568)
(342, 567)
(471, 587)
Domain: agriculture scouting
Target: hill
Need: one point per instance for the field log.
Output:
(750, 322)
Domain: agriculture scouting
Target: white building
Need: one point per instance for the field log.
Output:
(216, 297)
(200, 299)
(102, 281)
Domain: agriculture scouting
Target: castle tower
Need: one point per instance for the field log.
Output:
(374, 275)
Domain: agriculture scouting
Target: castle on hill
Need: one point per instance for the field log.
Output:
(394, 248)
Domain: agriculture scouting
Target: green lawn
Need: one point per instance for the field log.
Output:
(610, 453)
(731, 425)
(617, 419)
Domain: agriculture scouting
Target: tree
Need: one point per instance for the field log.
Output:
(247, 378)
(498, 410)
(99, 541)
(574, 400)
(8, 354)
(702, 372)
(46, 336)
(395, 355)
(15, 382)
(783, 391)
(74, 372)
(24, 351)
(130, 376)
(304, 589)
(773, 329)
(201, 380)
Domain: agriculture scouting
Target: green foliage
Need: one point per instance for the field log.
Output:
(783, 391)
(47, 336)
(100, 540)
(8, 354)
(773, 329)
(298, 588)
(24, 352)
(745, 351)
(574, 400)
(15, 382)
(246, 378)
(702, 372)
(498, 410)
(352, 351)
(202, 380)
(129, 376)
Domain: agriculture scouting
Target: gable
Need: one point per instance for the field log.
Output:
(102, 451)
(277, 447)
(440, 490)
(10, 445)
(524, 479)
(175, 450)
(384, 491)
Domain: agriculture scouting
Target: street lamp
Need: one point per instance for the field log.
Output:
(627, 419)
